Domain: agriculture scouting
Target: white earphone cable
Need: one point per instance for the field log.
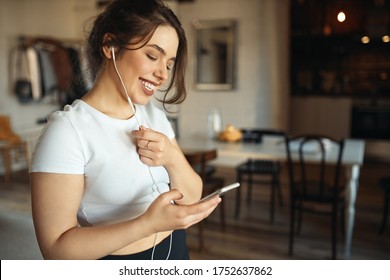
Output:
(154, 186)
(123, 85)
(154, 246)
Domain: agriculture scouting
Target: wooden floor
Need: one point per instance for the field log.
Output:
(253, 236)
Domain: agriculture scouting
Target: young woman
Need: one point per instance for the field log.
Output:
(108, 179)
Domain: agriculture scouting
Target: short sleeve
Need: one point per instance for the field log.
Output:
(59, 149)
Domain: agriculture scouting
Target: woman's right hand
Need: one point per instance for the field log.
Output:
(165, 213)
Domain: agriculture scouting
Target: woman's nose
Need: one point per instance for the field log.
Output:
(162, 72)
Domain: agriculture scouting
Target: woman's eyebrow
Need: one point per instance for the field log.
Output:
(161, 50)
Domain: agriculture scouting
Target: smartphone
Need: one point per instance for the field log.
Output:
(221, 191)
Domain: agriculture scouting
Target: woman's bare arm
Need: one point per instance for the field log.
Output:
(184, 178)
(55, 201)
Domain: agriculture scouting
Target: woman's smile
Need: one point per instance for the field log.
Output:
(148, 87)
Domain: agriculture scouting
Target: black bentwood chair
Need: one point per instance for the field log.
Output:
(259, 172)
(315, 187)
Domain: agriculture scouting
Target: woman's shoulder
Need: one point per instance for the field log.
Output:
(69, 110)
(59, 145)
(75, 113)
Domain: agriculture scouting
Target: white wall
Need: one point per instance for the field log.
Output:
(261, 96)
(3, 55)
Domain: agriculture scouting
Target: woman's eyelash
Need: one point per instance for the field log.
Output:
(151, 57)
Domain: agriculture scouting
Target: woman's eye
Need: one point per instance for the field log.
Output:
(151, 57)
(170, 67)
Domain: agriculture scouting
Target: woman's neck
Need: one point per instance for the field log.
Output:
(106, 98)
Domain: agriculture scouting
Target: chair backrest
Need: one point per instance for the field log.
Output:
(320, 180)
(199, 159)
(6, 131)
(4, 126)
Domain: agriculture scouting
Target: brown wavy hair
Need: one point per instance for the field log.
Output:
(126, 20)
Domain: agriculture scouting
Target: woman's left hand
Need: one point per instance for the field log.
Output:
(153, 147)
(156, 149)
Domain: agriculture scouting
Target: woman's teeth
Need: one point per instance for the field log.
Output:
(148, 85)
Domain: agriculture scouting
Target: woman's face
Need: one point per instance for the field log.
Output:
(146, 69)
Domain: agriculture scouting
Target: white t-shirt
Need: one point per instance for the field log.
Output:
(117, 185)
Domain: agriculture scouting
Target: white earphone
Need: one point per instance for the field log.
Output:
(123, 84)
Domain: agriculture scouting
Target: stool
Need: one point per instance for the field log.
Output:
(11, 147)
(10, 152)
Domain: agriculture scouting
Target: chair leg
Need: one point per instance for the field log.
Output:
(385, 212)
(300, 215)
(334, 234)
(272, 205)
(342, 221)
(7, 164)
(292, 229)
(278, 186)
(249, 193)
(238, 198)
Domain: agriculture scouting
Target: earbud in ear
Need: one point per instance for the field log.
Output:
(112, 52)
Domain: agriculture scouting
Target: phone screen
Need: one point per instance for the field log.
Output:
(221, 191)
